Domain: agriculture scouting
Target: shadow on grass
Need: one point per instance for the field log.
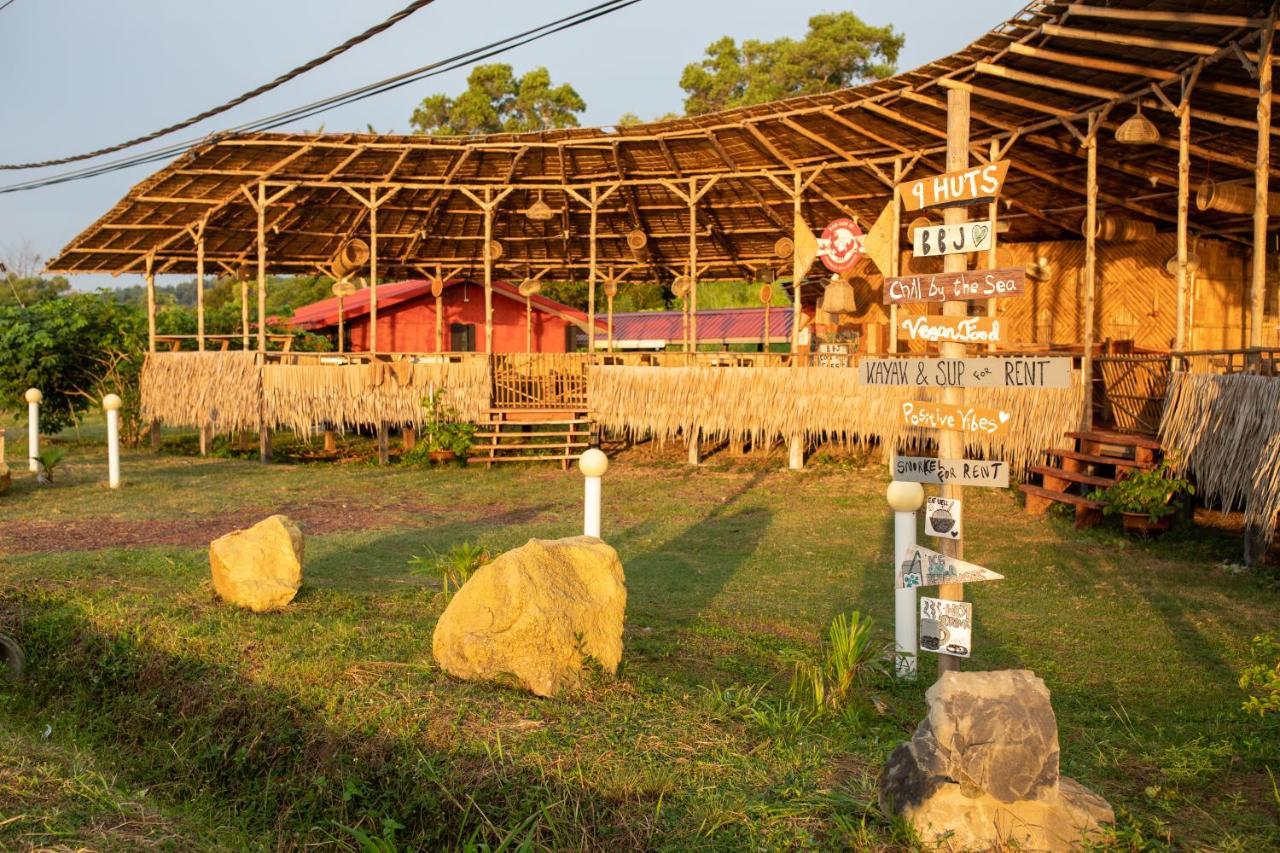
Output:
(275, 764)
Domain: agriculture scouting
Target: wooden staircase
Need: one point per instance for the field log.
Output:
(532, 435)
(1096, 460)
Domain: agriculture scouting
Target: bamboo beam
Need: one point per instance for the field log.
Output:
(1184, 207)
(1164, 17)
(1047, 82)
(1129, 40)
(1261, 185)
(261, 208)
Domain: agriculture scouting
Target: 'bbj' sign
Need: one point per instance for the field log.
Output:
(973, 420)
(961, 330)
(946, 627)
(955, 286)
(967, 186)
(1012, 372)
(950, 472)
(923, 567)
(934, 240)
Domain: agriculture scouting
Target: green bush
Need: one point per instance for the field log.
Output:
(1150, 493)
(1261, 679)
(455, 566)
(849, 660)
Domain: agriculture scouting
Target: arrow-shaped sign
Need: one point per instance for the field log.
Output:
(923, 567)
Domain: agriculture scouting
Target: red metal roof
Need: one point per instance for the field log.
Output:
(730, 325)
(324, 313)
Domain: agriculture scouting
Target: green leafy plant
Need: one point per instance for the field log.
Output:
(455, 566)
(1262, 677)
(443, 429)
(851, 657)
(48, 460)
(1150, 493)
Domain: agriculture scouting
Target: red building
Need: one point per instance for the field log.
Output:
(407, 319)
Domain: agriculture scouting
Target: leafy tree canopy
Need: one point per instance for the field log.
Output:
(496, 101)
(840, 49)
(27, 290)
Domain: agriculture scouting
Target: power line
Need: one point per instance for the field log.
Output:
(335, 101)
(234, 102)
(5, 5)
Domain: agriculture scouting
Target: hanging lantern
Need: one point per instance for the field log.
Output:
(437, 287)
(495, 250)
(610, 288)
(353, 255)
(539, 211)
(1193, 264)
(784, 247)
(766, 294)
(530, 287)
(837, 297)
(681, 286)
(1137, 130)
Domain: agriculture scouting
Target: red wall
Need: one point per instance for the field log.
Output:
(410, 326)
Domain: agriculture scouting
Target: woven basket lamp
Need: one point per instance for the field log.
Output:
(1137, 130)
(539, 211)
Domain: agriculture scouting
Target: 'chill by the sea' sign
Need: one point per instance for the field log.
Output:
(978, 420)
(963, 187)
(950, 472)
(955, 286)
(961, 330)
(1013, 372)
(934, 240)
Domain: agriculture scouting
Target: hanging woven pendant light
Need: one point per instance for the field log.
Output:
(539, 211)
(837, 297)
(1137, 130)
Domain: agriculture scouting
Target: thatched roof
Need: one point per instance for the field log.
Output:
(1032, 79)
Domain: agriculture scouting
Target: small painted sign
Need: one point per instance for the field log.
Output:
(997, 372)
(937, 240)
(978, 420)
(833, 355)
(955, 286)
(923, 567)
(946, 627)
(960, 330)
(942, 518)
(840, 245)
(950, 472)
(966, 186)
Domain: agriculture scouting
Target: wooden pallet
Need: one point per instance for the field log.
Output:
(532, 435)
(1098, 459)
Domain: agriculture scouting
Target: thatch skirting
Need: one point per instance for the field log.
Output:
(223, 389)
(1225, 431)
(820, 403)
(231, 391)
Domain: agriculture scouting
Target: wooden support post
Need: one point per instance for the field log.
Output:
(342, 325)
(1261, 188)
(895, 250)
(693, 264)
(155, 435)
(692, 441)
(244, 312)
(409, 438)
(383, 452)
(993, 211)
(151, 304)
(205, 435)
(1090, 272)
(262, 270)
(373, 272)
(200, 299)
(528, 324)
(797, 275)
(488, 271)
(795, 453)
(330, 439)
(1184, 195)
(592, 272)
(950, 442)
(264, 444)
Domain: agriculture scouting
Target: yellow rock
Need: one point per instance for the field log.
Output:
(535, 615)
(259, 568)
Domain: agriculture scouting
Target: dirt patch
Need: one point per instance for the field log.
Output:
(316, 517)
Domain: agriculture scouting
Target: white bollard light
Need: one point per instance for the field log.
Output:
(34, 397)
(905, 499)
(111, 405)
(592, 464)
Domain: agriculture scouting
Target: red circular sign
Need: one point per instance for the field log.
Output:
(840, 246)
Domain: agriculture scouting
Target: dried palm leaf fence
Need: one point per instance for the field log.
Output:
(234, 391)
(762, 404)
(1226, 431)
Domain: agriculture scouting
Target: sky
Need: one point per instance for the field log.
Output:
(76, 75)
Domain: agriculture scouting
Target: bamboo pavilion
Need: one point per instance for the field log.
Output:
(1138, 200)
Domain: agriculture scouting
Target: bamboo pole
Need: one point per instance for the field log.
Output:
(693, 265)
(151, 305)
(993, 211)
(200, 292)
(895, 250)
(1090, 271)
(342, 334)
(440, 312)
(796, 277)
(950, 442)
(1184, 196)
(528, 324)
(488, 271)
(592, 271)
(262, 267)
(1261, 189)
(244, 311)
(373, 288)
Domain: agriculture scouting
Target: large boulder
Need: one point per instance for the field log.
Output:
(982, 769)
(535, 615)
(259, 568)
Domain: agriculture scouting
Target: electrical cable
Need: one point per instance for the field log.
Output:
(234, 102)
(5, 5)
(335, 101)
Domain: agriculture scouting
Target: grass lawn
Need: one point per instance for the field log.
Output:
(152, 715)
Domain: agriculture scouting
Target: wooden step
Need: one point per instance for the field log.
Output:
(1121, 439)
(533, 434)
(1088, 513)
(1050, 473)
(525, 448)
(487, 459)
(580, 422)
(1092, 459)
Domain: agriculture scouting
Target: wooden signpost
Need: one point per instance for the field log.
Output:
(923, 567)
(1013, 372)
(946, 626)
(937, 240)
(948, 287)
(963, 330)
(956, 472)
(943, 518)
(955, 418)
(962, 187)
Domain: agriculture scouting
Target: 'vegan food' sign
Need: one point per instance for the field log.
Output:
(967, 186)
(960, 330)
(955, 286)
(934, 241)
(1012, 372)
(973, 420)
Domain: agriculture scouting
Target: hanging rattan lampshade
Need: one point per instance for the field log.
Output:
(1137, 130)
(539, 211)
(681, 286)
(530, 287)
(837, 297)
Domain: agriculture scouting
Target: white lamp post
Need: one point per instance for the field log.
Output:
(34, 397)
(905, 499)
(592, 464)
(111, 405)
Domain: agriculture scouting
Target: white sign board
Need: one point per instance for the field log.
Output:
(942, 518)
(950, 472)
(933, 241)
(995, 372)
(946, 627)
(833, 355)
(923, 567)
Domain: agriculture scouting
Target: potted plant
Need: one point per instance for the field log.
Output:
(1145, 499)
(444, 435)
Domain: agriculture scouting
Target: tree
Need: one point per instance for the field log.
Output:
(495, 101)
(840, 49)
(20, 279)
